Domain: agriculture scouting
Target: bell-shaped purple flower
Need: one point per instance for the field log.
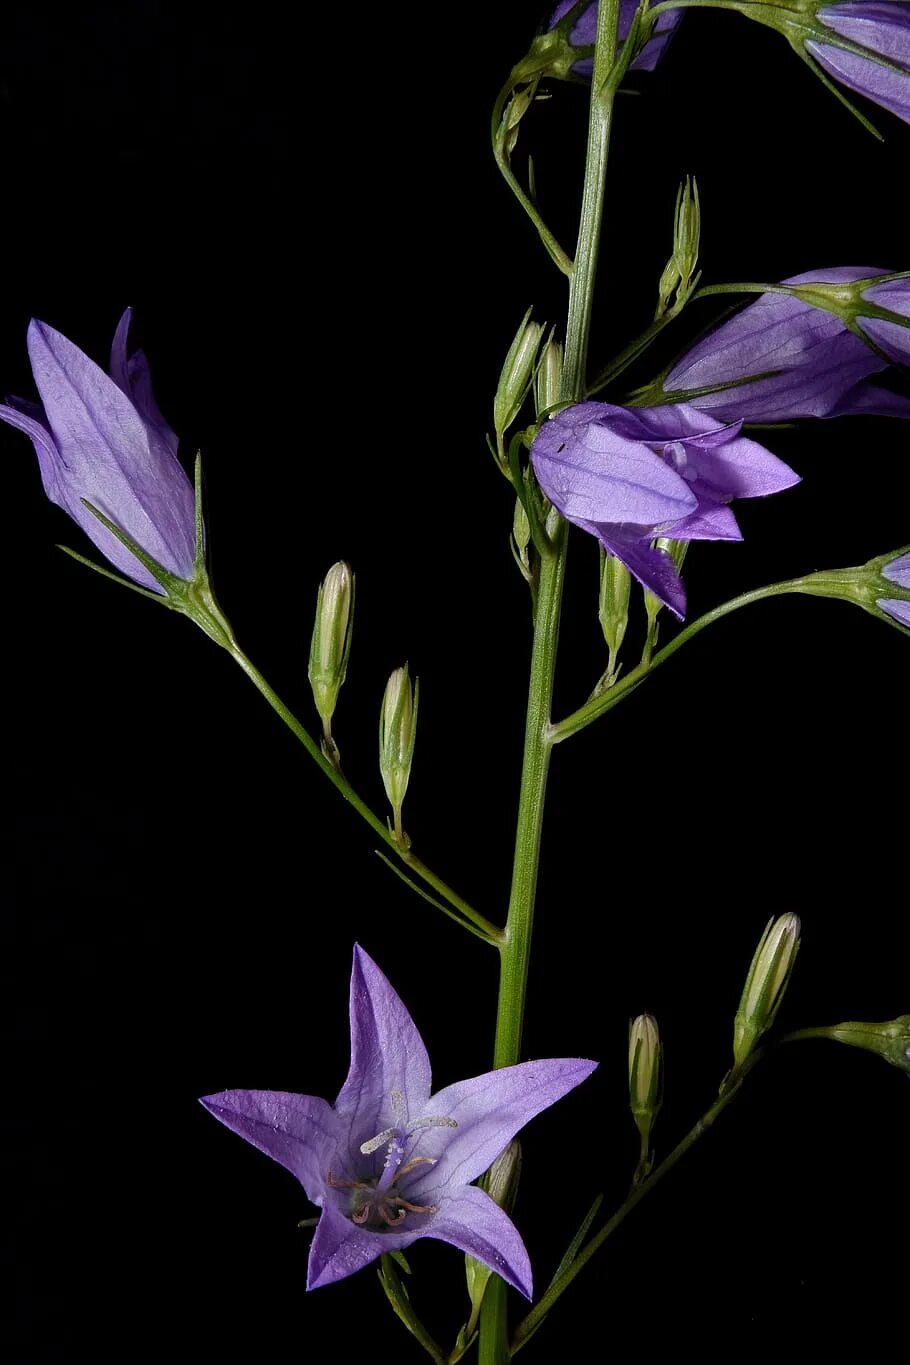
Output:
(820, 368)
(390, 1163)
(584, 33)
(630, 475)
(898, 571)
(102, 438)
(882, 30)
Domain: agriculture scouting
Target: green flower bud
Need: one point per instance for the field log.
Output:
(517, 372)
(397, 733)
(548, 378)
(678, 279)
(766, 983)
(613, 607)
(890, 1040)
(331, 642)
(645, 1066)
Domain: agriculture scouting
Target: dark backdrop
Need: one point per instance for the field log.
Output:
(326, 273)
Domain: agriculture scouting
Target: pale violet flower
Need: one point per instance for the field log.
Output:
(389, 1163)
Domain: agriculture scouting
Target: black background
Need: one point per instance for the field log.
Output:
(326, 273)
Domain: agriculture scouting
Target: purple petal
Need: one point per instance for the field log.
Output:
(489, 1110)
(299, 1131)
(898, 571)
(49, 463)
(653, 568)
(341, 1248)
(883, 29)
(818, 359)
(739, 469)
(590, 470)
(470, 1220)
(387, 1053)
(109, 456)
(870, 399)
(131, 375)
(896, 607)
(710, 521)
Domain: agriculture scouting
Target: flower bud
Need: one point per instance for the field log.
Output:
(397, 732)
(548, 377)
(331, 642)
(766, 983)
(613, 609)
(644, 1072)
(517, 371)
(890, 1040)
(676, 283)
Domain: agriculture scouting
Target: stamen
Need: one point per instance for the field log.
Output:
(346, 1184)
(398, 1108)
(432, 1123)
(391, 1220)
(361, 1215)
(416, 1161)
(413, 1208)
(378, 1141)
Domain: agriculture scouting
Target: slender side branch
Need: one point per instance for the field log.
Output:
(342, 785)
(599, 705)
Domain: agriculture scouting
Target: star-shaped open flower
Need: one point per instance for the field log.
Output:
(388, 1163)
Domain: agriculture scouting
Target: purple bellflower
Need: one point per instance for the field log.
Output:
(821, 367)
(102, 438)
(388, 1163)
(898, 571)
(630, 475)
(584, 33)
(882, 29)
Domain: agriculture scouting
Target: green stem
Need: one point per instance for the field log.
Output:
(540, 1310)
(523, 73)
(342, 785)
(599, 705)
(515, 950)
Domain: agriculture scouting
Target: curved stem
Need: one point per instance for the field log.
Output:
(503, 161)
(598, 706)
(540, 1310)
(342, 785)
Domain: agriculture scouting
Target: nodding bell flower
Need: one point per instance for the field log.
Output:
(632, 475)
(100, 438)
(389, 1163)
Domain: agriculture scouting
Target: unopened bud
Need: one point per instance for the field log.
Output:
(644, 1072)
(517, 372)
(613, 609)
(765, 984)
(397, 732)
(548, 378)
(331, 642)
(676, 282)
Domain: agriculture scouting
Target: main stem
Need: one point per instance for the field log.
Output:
(515, 949)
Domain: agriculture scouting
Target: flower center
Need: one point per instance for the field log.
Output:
(378, 1201)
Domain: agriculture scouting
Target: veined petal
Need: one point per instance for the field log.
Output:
(870, 399)
(653, 568)
(300, 1132)
(897, 607)
(341, 1248)
(710, 521)
(898, 571)
(883, 28)
(590, 469)
(489, 1110)
(584, 33)
(387, 1054)
(469, 1219)
(53, 470)
(112, 458)
(740, 468)
(131, 374)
